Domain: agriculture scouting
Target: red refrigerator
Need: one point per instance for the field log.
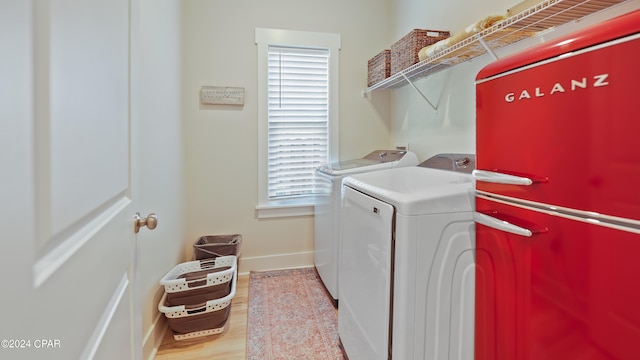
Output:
(558, 199)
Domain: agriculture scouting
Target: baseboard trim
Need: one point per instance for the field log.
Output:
(275, 262)
(154, 336)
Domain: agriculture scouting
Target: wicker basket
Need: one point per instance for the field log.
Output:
(379, 67)
(404, 52)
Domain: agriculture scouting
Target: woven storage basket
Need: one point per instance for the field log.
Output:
(404, 52)
(379, 67)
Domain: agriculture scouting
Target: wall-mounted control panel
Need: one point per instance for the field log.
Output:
(222, 95)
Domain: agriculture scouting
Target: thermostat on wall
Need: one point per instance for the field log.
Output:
(221, 95)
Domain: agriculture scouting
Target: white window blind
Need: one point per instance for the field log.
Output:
(298, 119)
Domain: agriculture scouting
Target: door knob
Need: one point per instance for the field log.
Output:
(151, 221)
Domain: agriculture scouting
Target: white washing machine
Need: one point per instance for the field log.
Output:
(327, 208)
(407, 267)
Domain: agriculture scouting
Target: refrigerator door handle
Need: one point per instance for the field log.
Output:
(499, 178)
(500, 224)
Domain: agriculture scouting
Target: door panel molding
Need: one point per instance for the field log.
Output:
(54, 259)
(94, 342)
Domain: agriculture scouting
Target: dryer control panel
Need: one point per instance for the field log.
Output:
(465, 163)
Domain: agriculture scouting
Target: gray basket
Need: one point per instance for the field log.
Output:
(213, 246)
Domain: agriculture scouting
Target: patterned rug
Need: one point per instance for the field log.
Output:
(291, 317)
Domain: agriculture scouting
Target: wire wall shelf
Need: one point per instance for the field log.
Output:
(530, 22)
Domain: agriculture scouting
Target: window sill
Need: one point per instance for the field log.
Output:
(284, 210)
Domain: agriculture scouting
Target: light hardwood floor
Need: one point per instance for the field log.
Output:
(230, 345)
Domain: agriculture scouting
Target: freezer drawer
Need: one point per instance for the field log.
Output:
(568, 124)
(568, 291)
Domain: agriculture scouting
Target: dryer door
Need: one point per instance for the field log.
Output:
(365, 276)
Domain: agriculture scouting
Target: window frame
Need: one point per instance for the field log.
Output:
(299, 206)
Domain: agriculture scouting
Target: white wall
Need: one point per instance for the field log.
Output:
(451, 128)
(221, 162)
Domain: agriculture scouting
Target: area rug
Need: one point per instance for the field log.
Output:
(291, 316)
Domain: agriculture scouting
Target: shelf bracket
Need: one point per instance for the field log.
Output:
(488, 48)
(418, 90)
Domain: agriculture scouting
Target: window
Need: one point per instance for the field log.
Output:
(298, 119)
(297, 114)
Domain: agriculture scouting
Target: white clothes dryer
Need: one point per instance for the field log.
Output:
(407, 268)
(327, 209)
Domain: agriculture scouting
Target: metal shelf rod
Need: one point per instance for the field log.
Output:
(488, 48)
(419, 92)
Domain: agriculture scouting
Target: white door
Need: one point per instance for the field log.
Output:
(66, 201)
